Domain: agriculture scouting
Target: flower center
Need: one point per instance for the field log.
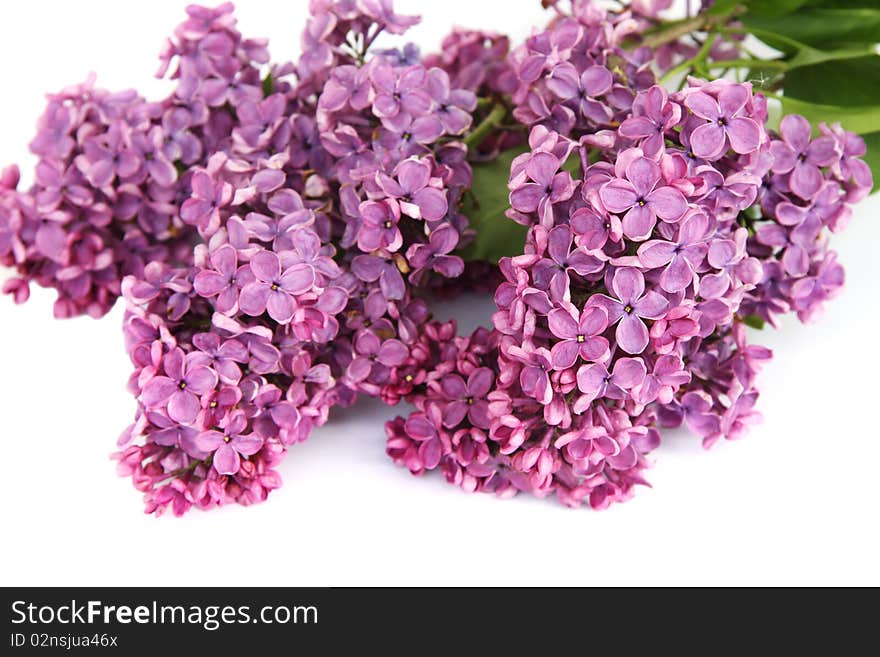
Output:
(388, 224)
(408, 378)
(627, 309)
(182, 385)
(642, 202)
(580, 338)
(470, 401)
(722, 122)
(226, 439)
(274, 287)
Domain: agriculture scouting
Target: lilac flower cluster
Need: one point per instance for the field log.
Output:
(626, 311)
(317, 220)
(114, 168)
(805, 196)
(277, 229)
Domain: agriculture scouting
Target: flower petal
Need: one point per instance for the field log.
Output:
(628, 284)
(226, 460)
(618, 195)
(709, 141)
(668, 203)
(744, 135)
(280, 306)
(632, 334)
(183, 407)
(266, 266)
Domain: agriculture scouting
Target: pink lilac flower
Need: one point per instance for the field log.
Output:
(202, 209)
(274, 291)
(580, 335)
(640, 196)
(796, 153)
(229, 445)
(725, 126)
(379, 226)
(412, 190)
(547, 185)
(653, 115)
(467, 398)
(184, 381)
(680, 259)
(224, 281)
(630, 306)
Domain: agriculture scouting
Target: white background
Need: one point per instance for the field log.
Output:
(796, 502)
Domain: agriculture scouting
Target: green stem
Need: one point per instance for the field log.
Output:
(674, 30)
(776, 64)
(492, 120)
(696, 62)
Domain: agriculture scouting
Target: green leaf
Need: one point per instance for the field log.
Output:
(754, 321)
(861, 120)
(808, 56)
(872, 157)
(843, 4)
(723, 7)
(484, 206)
(268, 85)
(845, 83)
(819, 27)
(774, 7)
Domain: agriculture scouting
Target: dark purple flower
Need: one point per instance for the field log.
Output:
(370, 268)
(454, 106)
(57, 185)
(150, 148)
(399, 92)
(568, 84)
(180, 144)
(107, 156)
(797, 243)
(276, 416)
(223, 356)
(370, 352)
(593, 230)
(434, 255)
(534, 378)
(552, 273)
(664, 381)
(467, 398)
(424, 429)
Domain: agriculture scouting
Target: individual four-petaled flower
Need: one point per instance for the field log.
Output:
(630, 307)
